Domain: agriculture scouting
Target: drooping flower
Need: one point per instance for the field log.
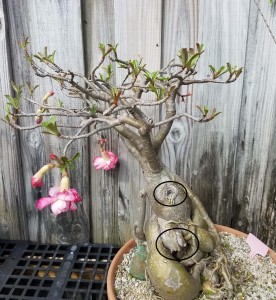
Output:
(106, 161)
(37, 178)
(60, 198)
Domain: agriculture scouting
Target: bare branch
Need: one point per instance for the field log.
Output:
(194, 81)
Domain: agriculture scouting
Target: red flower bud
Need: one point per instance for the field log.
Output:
(53, 156)
(38, 119)
(49, 94)
(102, 141)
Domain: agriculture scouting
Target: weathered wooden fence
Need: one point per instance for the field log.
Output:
(230, 162)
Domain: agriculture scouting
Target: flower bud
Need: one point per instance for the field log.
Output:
(37, 178)
(48, 95)
(53, 156)
(39, 119)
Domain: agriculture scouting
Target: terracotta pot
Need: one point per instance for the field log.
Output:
(131, 244)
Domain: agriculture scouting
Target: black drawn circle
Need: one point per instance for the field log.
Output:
(176, 228)
(170, 205)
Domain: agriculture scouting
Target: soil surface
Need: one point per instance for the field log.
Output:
(255, 277)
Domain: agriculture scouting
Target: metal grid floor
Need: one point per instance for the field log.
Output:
(53, 272)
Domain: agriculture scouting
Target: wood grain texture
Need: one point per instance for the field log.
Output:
(255, 165)
(12, 205)
(213, 148)
(180, 30)
(99, 28)
(138, 32)
(57, 24)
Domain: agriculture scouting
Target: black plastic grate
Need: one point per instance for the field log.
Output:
(53, 272)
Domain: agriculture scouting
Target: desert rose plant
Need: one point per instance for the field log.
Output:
(179, 236)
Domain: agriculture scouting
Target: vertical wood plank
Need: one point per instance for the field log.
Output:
(56, 24)
(138, 32)
(179, 31)
(214, 143)
(12, 198)
(255, 166)
(99, 28)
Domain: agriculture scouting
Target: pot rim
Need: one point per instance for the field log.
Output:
(111, 294)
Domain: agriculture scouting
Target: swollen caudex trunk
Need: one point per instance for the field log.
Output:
(178, 235)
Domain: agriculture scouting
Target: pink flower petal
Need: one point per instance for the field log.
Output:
(60, 206)
(77, 197)
(99, 162)
(43, 202)
(73, 206)
(53, 191)
(65, 196)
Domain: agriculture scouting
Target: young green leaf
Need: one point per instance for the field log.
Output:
(199, 47)
(14, 102)
(160, 93)
(38, 57)
(7, 118)
(151, 76)
(60, 103)
(25, 43)
(135, 66)
(238, 72)
(152, 88)
(205, 109)
(94, 109)
(102, 48)
(76, 156)
(213, 69)
(30, 88)
(70, 165)
(51, 126)
(7, 108)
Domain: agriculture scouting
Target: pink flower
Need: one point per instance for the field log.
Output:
(37, 178)
(107, 161)
(61, 198)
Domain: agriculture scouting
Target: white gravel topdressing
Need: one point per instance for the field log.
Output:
(256, 276)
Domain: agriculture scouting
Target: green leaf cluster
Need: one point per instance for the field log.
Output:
(136, 66)
(158, 91)
(25, 43)
(105, 51)
(205, 110)
(233, 71)
(108, 73)
(152, 76)
(45, 56)
(30, 88)
(51, 126)
(189, 57)
(115, 92)
(65, 163)
(15, 101)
